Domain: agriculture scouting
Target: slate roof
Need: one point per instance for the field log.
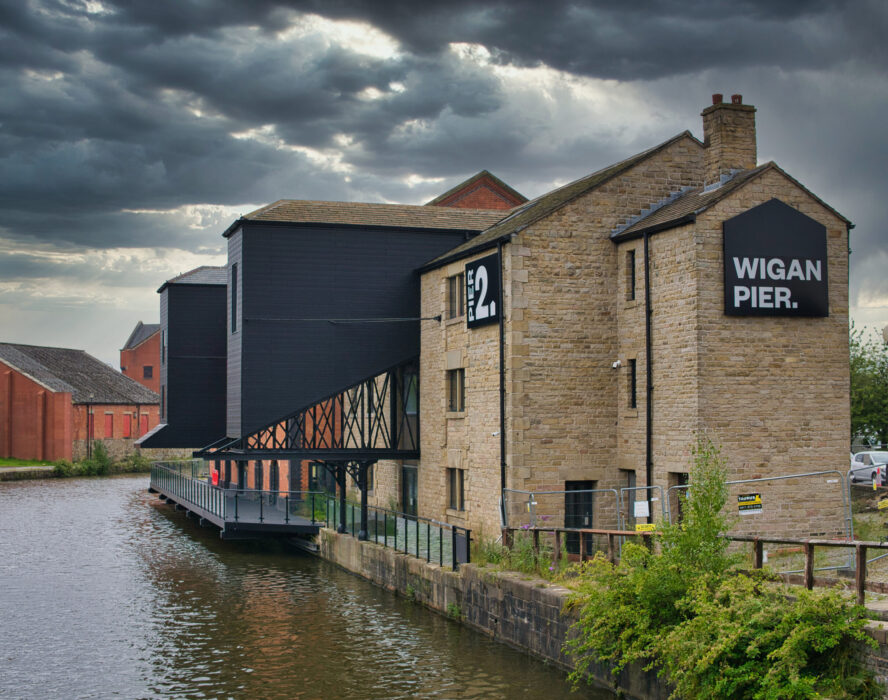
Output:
(89, 380)
(140, 334)
(297, 211)
(483, 175)
(200, 275)
(685, 207)
(523, 216)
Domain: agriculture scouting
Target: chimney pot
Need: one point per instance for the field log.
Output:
(717, 98)
(737, 99)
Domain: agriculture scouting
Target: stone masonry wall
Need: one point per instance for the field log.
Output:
(564, 395)
(526, 614)
(469, 439)
(774, 390)
(523, 612)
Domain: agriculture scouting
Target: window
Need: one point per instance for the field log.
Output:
(456, 386)
(411, 394)
(163, 347)
(633, 385)
(109, 425)
(147, 372)
(127, 425)
(163, 402)
(630, 275)
(456, 488)
(455, 296)
(257, 475)
(234, 297)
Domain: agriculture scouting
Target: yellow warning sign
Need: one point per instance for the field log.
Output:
(883, 504)
(645, 527)
(749, 503)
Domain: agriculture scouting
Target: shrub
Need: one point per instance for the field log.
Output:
(63, 468)
(710, 630)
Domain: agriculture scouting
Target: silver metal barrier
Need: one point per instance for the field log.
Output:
(754, 506)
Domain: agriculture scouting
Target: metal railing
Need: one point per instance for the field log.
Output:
(186, 481)
(178, 481)
(424, 538)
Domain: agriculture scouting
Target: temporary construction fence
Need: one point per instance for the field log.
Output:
(809, 504)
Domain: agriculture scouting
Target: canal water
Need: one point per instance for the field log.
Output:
(106, 593)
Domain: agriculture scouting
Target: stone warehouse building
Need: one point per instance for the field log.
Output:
(573, 344)
(56, 402)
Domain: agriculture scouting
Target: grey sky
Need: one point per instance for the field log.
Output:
(133, 133)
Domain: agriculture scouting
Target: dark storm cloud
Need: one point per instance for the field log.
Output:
(112, 108)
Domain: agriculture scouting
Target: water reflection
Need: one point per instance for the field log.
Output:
(106, 593)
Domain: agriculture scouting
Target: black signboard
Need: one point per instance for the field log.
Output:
(483, 291)
(775, 263)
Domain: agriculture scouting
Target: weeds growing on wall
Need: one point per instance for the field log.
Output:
(521, 557)
(709, 629)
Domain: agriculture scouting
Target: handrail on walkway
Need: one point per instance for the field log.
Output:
(457, 548)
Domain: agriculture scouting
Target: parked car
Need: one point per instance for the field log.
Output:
(869, 466)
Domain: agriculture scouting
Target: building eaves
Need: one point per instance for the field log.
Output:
(87, 379)
(483, 175)
(683, 209)
(523, 216)
(371, 215)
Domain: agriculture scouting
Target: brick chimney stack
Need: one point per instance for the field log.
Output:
(728, 138)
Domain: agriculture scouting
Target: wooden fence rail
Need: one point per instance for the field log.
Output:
(807, 545)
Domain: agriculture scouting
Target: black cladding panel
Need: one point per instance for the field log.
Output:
(195, 364)
(312, 303)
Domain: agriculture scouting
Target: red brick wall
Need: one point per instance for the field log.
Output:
(116, 442)
(146, 354)
(35, 423)
(482, 194)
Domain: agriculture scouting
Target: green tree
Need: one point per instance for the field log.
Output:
(869, 384)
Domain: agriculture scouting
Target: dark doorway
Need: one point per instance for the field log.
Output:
(408, 490)
(578, 512)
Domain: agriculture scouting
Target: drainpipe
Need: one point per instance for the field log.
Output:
(502, 379)
(649, 401)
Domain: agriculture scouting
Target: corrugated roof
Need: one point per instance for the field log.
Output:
(526, 214)
(200, 275)
(483, 175)
(299, 211)
(62, 369)
(688, 205)
(140, 334)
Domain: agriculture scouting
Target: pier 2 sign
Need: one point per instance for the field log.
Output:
(775, 263)
(482, 291)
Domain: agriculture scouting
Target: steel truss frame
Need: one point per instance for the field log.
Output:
(370, 420)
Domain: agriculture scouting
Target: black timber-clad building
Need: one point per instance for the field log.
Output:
(192, 360)
(324, 295)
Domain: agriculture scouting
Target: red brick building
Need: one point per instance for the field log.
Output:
(481, 191)
(55, 402)
(140, 356)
